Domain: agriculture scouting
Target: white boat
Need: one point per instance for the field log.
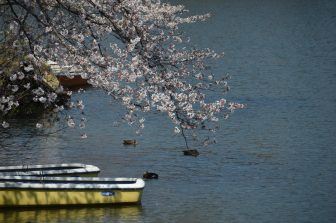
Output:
(65, 169)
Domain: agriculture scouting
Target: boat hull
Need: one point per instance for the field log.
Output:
(54, 191)
(33, 197)
(75, 81)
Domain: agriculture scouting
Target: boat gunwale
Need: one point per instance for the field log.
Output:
(70, 183)
(68, 179)
(74, 181)
(48, 169)
(72, 189)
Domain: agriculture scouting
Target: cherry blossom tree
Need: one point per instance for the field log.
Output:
(133, 49)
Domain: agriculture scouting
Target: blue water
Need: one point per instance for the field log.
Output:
(274, 161)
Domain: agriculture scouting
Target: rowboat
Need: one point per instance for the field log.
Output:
(65, 169)
(74, 79)
(55, 191)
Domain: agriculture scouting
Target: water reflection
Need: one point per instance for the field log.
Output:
(23, 143)
(73, 214)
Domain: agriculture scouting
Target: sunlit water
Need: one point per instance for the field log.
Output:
(275, 161)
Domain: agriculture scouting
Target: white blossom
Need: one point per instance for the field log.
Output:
(15, 88)
(82, 125)
(39, 91)
(71, 122)
(52, 97)
(5, 124)
(27, 86)
(13, 77)
(80, 105)
(83, 136)
(28, 68)
(20, 76)
(42, 99)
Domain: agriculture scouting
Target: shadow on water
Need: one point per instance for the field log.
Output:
(129, 213)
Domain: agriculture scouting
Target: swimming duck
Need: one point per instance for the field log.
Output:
(130, 142)
(149, 175)
(190, 152)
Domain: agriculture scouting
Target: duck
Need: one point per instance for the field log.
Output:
(149, 175)
(191, 152)
(130, 142)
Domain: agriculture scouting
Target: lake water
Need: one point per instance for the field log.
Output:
(274, 161)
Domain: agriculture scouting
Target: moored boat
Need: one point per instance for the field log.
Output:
(74, 79)
(32, 191)
(65, 169)
(73, 82)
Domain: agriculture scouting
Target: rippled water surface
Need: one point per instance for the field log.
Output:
(275, 161)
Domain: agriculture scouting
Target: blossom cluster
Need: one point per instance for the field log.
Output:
(23, 90)
(133, 49)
